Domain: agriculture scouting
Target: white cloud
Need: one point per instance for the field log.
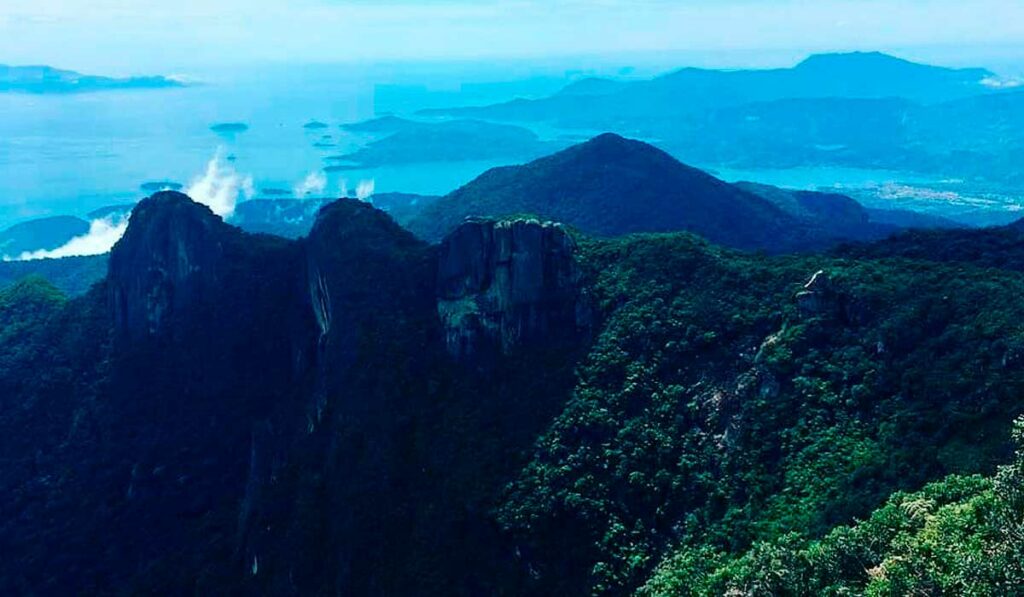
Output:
(220, 186)
(1001, 83)
(314, 184)
(102, 235)
(365, 189)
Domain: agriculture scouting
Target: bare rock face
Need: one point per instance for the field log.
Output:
(823, 297)
(818, 297)
(168, 258)
(503, 284)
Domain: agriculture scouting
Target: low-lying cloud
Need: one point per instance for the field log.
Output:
(220, 186)
(1002, 82)
(314, 184)
(102, 234)
(365, 188)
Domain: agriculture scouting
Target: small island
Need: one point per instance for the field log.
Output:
(314, 125)
(229, 128)
(383, 124)
(402, 141)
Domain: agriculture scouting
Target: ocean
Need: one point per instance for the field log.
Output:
(70, 154)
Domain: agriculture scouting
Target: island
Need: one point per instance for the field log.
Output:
(50, 80)
(229, 127)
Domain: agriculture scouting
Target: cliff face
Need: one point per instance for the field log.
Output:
(498, 284)
(170, 257)
(501, 285)
(362, 271)
(301, 392)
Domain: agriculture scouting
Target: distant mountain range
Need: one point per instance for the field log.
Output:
(866, 110)
(46, 79)
(693, 90)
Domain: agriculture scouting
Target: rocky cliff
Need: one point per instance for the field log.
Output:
(504, 284)
(312, 370)
(169, 258)
(263, 396)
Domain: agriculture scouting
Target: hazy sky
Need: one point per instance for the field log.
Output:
(134, 36)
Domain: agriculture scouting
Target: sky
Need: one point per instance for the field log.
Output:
(122, 37)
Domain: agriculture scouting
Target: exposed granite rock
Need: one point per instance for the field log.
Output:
(155, 268)
(823, 297)
(283, 388)
(508, 283)
(818, 297)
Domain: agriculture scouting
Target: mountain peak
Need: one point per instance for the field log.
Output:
(610, 140)
(356, 221)
(610, 186)
(166, 202)
(609, 148)
(173, 248)
(503, 284)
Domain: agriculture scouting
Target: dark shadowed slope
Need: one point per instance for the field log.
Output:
(234, 433)
(905, 218)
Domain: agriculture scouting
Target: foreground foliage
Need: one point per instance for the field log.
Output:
(715, 417)
(958, 536)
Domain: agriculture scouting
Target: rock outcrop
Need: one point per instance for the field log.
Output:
(823, 297)
(503, 284)
(818, 297)
(170, 257)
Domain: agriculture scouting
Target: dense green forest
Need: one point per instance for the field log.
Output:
(234, 413)
(717, 424)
